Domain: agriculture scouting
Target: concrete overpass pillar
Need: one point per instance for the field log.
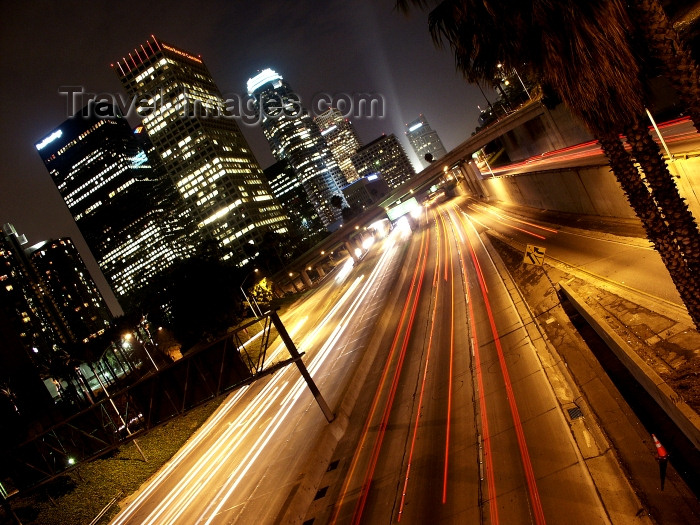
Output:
(305, 277)
(319, 269)
(349, 246)
(293, 282)
(476, 179)
(468, 176)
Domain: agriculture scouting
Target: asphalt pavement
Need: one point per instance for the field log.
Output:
(660, 332)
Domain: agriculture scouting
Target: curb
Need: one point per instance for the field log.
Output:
(687, 420)
(619, 499)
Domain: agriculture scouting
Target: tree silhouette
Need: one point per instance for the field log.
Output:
(594, 55)
(206, 299)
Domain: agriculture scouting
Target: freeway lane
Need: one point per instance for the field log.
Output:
(538, 474)
(625, 262)
(680, 136)
(404, 467)
(242, 465)
(463, 426)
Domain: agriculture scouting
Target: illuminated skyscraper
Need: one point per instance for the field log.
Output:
(48, 304)
(48, 289)
(25, 301)
(219, 181)
(66, 278)
(385, 156)
(289, 192)
(339, 134)
(124, 208)
(424, 140)
(293, 136)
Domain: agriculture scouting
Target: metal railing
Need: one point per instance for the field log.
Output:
(199, 376)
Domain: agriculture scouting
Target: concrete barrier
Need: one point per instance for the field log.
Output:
(591, 190)
(687, 420)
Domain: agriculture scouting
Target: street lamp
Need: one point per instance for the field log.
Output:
(257, 314)
(128, 336)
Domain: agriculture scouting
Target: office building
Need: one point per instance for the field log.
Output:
(67, 280)
(340, 136)
(26, 303)
(290, 193)
(49, 305)
(365, 191)
(125, 209)
(293, 136)
(385, 156)
(220, 184)
(424, 140)
(54, 301)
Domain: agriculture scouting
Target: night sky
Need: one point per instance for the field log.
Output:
(363, 46)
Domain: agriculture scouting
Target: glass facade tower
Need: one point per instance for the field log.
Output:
(424, 140)
(123, 206)
(385, 156)
(219, 181)
(291, 195)
(67, 280)
(340, 135)
(293, 136)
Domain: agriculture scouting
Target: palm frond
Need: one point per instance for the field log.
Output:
(404, 6)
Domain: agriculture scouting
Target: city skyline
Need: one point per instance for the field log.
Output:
(375, 49)
(205, 155)
(293, 136)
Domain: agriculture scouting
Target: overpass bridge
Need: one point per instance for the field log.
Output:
(351, 234)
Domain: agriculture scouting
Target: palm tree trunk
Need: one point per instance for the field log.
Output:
(673, 55)
(654, 225)
(664, 191)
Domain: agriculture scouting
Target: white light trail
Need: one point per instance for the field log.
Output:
(236, 435)
(237, 476)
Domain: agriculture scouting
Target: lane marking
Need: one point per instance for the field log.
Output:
(533, 491)
(375, 401)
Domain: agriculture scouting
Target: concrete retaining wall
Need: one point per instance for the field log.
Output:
(687, 172)
(589, 191)
(682, 415)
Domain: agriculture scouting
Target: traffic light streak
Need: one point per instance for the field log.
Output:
(501, 219)
(415, 283)
(486, 436)
(436, 280)
(196, 479)
(394, 386)
(522, 444)
(452, 348)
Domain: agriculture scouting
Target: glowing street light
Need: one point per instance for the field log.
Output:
(128, 336)
(258, 313)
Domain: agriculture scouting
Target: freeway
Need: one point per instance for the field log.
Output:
(244, 462)
(456, 422)
(624, 263)
(680, 136)
(461, 425)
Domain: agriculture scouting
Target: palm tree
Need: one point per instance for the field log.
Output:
(671, 53)
(585, 53)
